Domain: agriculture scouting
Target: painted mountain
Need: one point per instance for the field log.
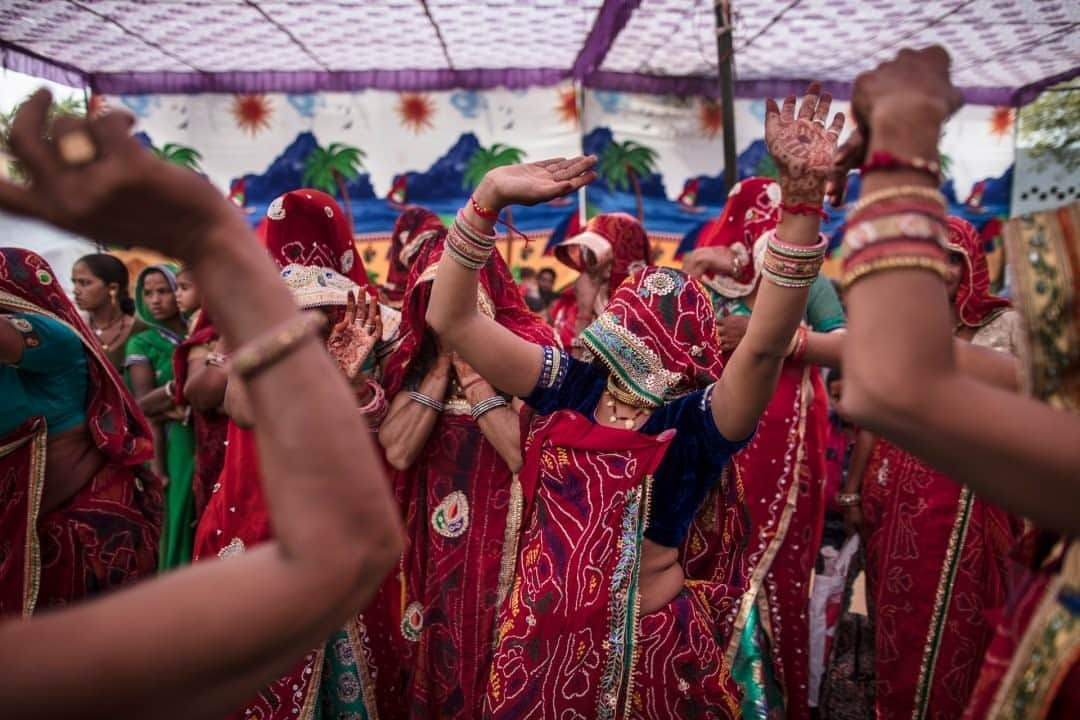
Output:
(443, 179)
(286, 173)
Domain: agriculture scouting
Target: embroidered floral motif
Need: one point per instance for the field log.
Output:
(451, 516)
(235, 547)
(661, 284)
(21, 324)
(329, 211)
(628, 356)
(347, 260)
(44, 276)
(413, 622)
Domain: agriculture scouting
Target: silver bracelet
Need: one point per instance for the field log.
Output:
(486, 406)
(426, 401)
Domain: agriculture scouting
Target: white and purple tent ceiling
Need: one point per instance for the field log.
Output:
(1004, 51)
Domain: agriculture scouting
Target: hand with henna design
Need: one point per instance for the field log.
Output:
(475, 387)
(801, 144)
(352, 339)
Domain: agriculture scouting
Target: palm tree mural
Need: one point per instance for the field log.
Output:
(623, 164)
(182, 155)
(485, 159)
(328, 168)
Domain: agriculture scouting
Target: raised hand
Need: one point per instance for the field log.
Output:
(352, 339)
(532, 183)
(801, 144)
(732, 329)
(714, 261)
(472, 385)
(92, 178)
(900, 106)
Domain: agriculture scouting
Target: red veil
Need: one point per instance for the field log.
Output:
(975, 304)
(413, 228)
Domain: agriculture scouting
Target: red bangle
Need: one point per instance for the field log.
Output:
(486, 213)
(800, 344)
(883, 160)
(804, 209)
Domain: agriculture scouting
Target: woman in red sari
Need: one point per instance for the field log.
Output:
(78, 513)
(412, 229)
(455, 463)
(762, 527)
(600, 619)
(612, 247)
(308, 237)
(936, 556)
(200, 379)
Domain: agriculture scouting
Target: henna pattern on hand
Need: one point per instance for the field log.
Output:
(802, 146)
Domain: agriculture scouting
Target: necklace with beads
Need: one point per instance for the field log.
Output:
(616, 396)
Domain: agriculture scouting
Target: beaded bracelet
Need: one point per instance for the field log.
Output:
(427, 401)
(884, 160)
(899, 191)
(486, 213)
(792, 266)
(894, 262)
(268, 349)
(485, 406)
(913, 226)
(898, 206)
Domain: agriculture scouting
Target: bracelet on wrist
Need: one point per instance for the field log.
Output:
(265, 351)
(484, 212)
(427, 401)
(485, 406)
(803, 209)
(848, 499)
(885, 160)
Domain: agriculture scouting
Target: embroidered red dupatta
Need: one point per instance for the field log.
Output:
(107, 534)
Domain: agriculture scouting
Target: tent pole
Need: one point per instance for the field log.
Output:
(725, 55)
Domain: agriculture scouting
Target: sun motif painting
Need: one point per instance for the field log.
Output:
(415, 111)
(252, 113)
(1001, 121)
(567, 107)
(710, 118)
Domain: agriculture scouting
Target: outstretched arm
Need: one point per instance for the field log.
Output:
(1014, 451)
(803, 149)
(335, 523)
(509, 363)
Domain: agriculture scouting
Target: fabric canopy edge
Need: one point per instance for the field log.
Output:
(29, 63)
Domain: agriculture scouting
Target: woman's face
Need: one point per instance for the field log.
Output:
(188, 298)
(91, 292)
(956, 273)
(159, 297)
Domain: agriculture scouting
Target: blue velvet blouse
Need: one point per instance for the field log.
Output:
(690, 468)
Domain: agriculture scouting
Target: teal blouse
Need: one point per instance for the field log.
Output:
(50, 379)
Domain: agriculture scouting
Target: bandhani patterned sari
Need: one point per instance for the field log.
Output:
(414, 227)
(304, 227)
(107, 534)
(571, 643)
(935, 555)
(433, 623)
(615, 237)
(1032, 666)
(761, 528)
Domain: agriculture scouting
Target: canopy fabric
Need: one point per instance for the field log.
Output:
(1004, 51)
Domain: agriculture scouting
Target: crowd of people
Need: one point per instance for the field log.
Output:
(457, 494)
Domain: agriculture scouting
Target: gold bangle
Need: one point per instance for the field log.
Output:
(908, 225)
(264, 351)
(894, 262)
(900, 191)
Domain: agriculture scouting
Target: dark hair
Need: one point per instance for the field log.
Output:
(546, 271)
(110, 269)
(526, 272)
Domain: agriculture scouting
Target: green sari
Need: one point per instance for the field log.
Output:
(154, 347)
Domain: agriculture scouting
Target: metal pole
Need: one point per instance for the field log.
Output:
(727, 89)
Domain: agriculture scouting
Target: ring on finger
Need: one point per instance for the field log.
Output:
(818, 121)
(76, 148)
